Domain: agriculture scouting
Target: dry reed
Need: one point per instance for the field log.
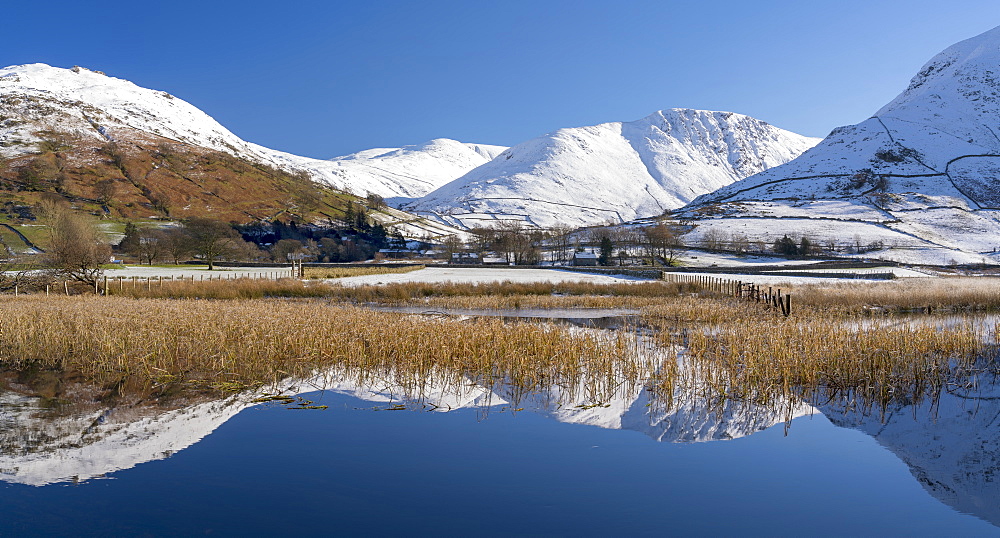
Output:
(914, 294)
(361, 270)
(458, 295)
(252, 342)
(764, 358)
(736, 349)
(240, 288)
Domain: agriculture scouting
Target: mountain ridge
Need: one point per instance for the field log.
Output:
(67, 132)
(918, 176)
(615, 171)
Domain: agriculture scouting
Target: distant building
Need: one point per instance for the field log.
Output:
(585, 259)
(397, 253)
(492, 258)
(465, 257)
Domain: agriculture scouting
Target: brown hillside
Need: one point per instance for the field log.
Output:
(133, 174)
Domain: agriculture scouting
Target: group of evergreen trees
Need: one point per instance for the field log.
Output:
(788, 247)
(211, 241)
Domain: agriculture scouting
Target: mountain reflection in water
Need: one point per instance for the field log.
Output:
(950, 444)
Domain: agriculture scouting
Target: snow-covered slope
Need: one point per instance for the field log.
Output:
(920, 174)
(38, 98)
(614, 171)
(408, 172)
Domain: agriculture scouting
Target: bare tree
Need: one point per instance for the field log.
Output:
(739, 243)
(625, 239)
(249, 251)
(520, 245)
(152, 245)
(147, 244)
(211, 239)
(176, 243)
(712, 239)
(104, 191)
(663, 241)
(481, 238)
(505, 235)
(76, 249)
(560, 235)
(452, 245)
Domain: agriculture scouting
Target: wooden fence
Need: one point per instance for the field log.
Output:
(771, 298)
(134, 282)
(107, 286)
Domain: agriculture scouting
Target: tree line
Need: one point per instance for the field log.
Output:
(76, 250)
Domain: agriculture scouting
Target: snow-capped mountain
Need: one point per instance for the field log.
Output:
(410, 171)
(614, 172)
(920, 174)
(37, 100)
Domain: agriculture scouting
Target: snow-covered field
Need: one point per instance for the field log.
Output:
(476, 275)
(702, 258)
(440, 275)
(775, 279)
(430, 274)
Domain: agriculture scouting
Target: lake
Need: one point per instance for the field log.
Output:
(346, 453)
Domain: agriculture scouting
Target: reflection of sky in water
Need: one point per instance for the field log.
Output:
(347, 470)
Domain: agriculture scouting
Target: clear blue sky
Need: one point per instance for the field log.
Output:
(329, 78)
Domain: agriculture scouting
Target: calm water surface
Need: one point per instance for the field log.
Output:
(549, 464)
